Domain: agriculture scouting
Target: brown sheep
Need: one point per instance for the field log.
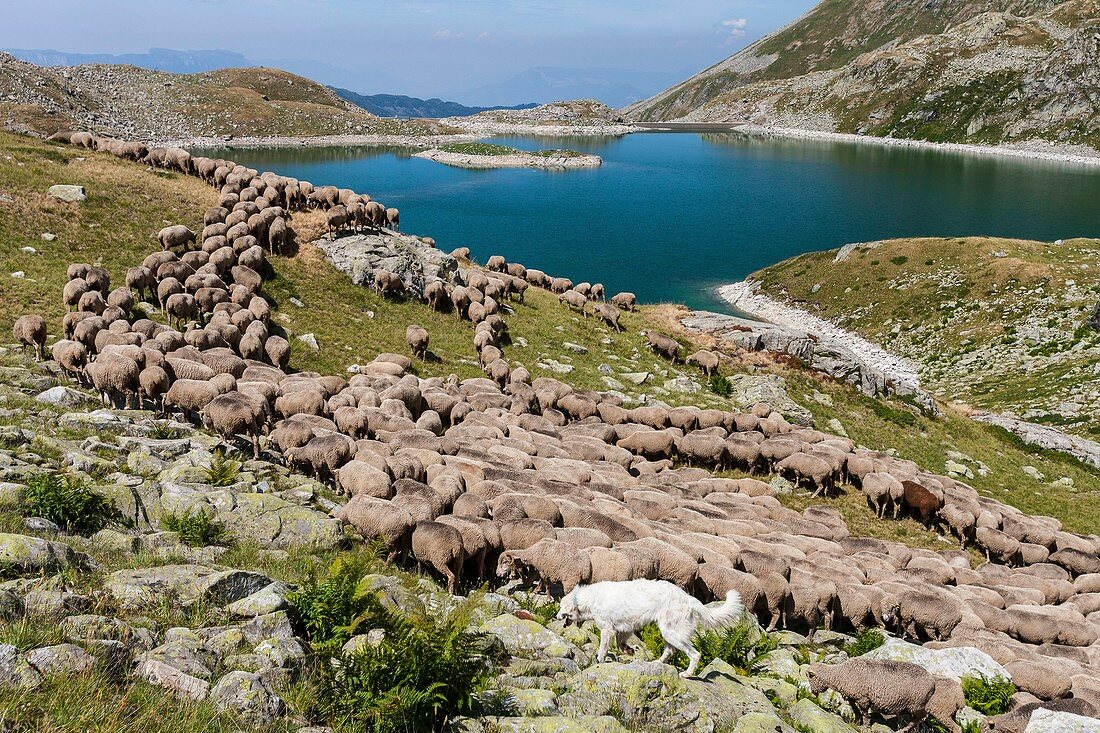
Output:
(379, 519)
(705, 360)
(610, 315)
(553, 561)
(233, 414)
(175, 236)
(30, 332)
(626, 301)
(441, 546)
(417, 339)
(663, 345)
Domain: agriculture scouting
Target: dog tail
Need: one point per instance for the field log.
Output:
(724, 615)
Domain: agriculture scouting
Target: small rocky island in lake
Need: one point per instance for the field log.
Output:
(487, 155)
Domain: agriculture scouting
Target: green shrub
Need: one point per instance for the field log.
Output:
(721, 386)
(165, 432)
(899, 260)
(543, 611)
(988, 695)
(428, 669)
(868, 640)
(67, 502)
(735, 646)
(222, 471)
(327, 606)
(196, 529)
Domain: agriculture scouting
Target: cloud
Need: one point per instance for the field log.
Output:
(482, 36)
(446, 33)
(735, 28)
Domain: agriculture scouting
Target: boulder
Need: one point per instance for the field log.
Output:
(523, 638)
(1051, 721)
(61, 396)
(952, 662)
(60, 659)
(68, 193)
(189, 584)
(804, 713)
(266, 600)
(23, 555)
(178, 683)
(558, 724)
(15, 670)
(248, 696)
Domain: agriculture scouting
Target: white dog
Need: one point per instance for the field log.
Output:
(621, 608)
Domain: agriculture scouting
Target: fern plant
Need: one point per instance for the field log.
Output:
(720, 386)
(868, 640)
(734, 646)
(196, 529)
(989, 695)
(327, 605)
(222, 471)
(68, 502)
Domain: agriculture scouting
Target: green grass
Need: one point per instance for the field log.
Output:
(489, 149)
(196, 529)
(67, 501)
(988, 695)
(867, 641)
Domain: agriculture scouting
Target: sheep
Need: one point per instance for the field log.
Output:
(377, 519)
(663, 345)
(72, 357)
(175, 236)
(359, 478)
(917, 612)
(30, 332)
(323, 454)
(417, 339)
(883, 490)
(610, 315)
(153, 384)
(924, 504)
(393, 219)
(439, 545)
(626, 301)
(709, 450)
(234, 414)
(277, 350)
(811, 600)
(810, 469)
(575, 301)
(673, 564)
(900, 690)
(553, 561)
(141, 279)
(997, 545)
(114, 375)
(73, 290)
(707, 361)
(181, 307)
(387, 284)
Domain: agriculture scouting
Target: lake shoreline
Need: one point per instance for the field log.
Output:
(1023, 153)
(746, 297)
(520, 160)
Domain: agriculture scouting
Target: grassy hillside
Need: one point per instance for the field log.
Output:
(987, 72)
(997, 323)
(145, 104)
(127, 204)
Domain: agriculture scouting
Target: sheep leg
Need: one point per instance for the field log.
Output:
(451, 579)
(605, 642)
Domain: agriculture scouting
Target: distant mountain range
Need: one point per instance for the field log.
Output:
(398, 105)
(157, 59)
(614, 87)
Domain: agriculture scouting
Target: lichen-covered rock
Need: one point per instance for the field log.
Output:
(24, 555)
(245, 694)
(274, 625)
(533, 702)
(558, 724)
(188, 584)
(1050, 721)
(761, 723)
(266, 600)
(810, 716)
(55, 603)
(15, 671)
(178, 683)
(525, 638)
(952, 662)
(60, 659)
(84, 627)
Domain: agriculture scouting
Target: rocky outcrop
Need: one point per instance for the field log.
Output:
(1046, 437)
(819, 353)
(412, 259)
(518, 160)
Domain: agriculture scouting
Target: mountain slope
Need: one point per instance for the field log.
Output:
(988, 72)
(398, 105)
(153, 105)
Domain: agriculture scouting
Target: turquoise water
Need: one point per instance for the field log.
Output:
(672, 215)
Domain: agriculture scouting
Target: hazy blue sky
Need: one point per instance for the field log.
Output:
(423, 47)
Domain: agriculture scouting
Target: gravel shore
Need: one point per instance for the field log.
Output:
(483, 162)
(746, 297)
(1035, 150)
(319, 141)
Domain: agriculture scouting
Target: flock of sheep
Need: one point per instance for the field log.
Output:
(511, 476)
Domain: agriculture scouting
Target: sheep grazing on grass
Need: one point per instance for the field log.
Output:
(705, 360)
(174, 237)
(610, 315)
(72, 357)
(626, 301)
(663, 345)
(575, 301)
(30, 332)
(377, 519)
(417, 339)
(234, 414)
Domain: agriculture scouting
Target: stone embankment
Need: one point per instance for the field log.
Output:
(519, 160)
(819, 344)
